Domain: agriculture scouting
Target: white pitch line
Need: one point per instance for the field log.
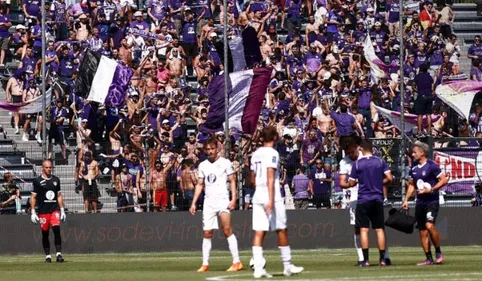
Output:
(391, 277)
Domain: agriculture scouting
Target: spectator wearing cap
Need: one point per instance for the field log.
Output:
(379, 37)
(310, 151)
(58, 114)
(424, 86)
(475, 50)
(124, 188)
(19, 39)
(370, 18)
(300, 185)
(82, 132)
(320, 184)
(67, 65)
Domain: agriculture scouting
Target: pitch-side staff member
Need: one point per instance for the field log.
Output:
(428, 178)
(47, 198)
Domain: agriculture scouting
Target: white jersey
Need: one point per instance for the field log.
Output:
(350, 194)
(215, 177)
(261, 160)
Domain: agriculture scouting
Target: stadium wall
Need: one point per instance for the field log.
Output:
(179, 231)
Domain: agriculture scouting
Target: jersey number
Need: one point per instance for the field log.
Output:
(258, 169)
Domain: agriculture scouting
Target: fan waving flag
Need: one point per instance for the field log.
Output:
(378, 69)
(31, 106)
(410, 119)
(102, 79)
(246, 92)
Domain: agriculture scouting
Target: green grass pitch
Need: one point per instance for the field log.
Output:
(461, 263)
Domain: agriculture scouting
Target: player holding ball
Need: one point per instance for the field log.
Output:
(46, 197)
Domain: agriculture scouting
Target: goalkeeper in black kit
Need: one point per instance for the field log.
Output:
(46, 197)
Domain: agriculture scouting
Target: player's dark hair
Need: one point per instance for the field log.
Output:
(349, 142)
(366, 145)
(269, 134)
(211, 141)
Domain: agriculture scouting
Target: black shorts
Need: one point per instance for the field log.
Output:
(321, 200)
(17, 99)
(426, 213)
(423, 105)
(57, 135)
(90, 192)
(370, 212)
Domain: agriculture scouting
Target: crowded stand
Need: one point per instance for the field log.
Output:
(322, 89)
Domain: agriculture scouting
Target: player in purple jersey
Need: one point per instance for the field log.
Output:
(371, 174)
(427, 177)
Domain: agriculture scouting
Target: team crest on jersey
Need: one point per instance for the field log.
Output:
(50, 195)
(55, 183)
(274, 159)
(423, 174)
(211, 178)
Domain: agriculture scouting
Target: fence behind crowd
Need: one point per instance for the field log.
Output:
(460, 159)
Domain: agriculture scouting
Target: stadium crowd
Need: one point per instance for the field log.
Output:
(320, 92)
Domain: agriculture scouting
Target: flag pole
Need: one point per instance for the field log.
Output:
(402, 100)
(44, 98)
(226, 80)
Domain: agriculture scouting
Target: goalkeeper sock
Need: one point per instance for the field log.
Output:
(46, 242)
(233, 248)
(206, 250)
(257, 257)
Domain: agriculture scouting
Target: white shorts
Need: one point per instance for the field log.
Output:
(275, 221)
(124, 3)
(211, 211)
(352, 208)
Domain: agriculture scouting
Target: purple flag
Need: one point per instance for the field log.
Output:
(246, 92)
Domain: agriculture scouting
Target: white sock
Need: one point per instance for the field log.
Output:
(285, 256)
(48, 256)
(233, 248)
(58, 254)
(358, 247)
(206, 250)
(258, 257)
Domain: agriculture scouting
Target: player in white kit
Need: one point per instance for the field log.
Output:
(213, 174)
(269, 213)
(350, 195)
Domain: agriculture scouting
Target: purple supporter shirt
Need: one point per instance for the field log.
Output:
(33, 7)
(142, 25)
(428, 172)
(364, 98)
(424, 84)
(301, 183)
(310, 148)
(393, 9)
(475, 50)
(158, 8)
(319, 185)
(3, 29)
(344, 123)
(369, 171)
(313, 61)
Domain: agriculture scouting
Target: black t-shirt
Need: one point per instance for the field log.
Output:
(47, 191)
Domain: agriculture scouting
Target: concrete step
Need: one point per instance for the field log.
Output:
(468, 26)
(456, 7)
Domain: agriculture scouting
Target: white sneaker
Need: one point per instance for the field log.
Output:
(261, 273)
(17, 131)
(39, 139)
(24, 137)
(293, 269)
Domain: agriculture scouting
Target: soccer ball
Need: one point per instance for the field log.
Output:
(251, 263)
